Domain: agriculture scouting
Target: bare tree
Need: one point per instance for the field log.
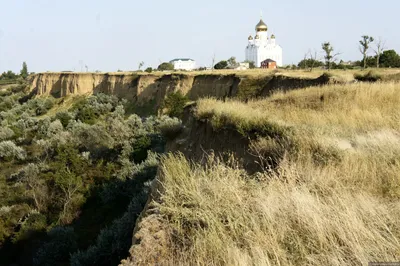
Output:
(364, 47)
(313, 58)
(305, 60)
(380, 46)
(213, 62)
(141, 64)
(310, 59)
(329, 56)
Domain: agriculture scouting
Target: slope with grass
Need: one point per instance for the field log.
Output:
(327, 191)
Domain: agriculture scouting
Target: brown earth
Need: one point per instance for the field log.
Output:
(149, 90)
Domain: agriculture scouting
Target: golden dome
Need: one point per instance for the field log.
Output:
(257, 37)
(261, 26)
(272, 36)
(250, 37)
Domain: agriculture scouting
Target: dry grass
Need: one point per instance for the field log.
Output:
(221, 216)
(333, 110)
(332, 197)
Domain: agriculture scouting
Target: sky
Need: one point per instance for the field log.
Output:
(54, 35)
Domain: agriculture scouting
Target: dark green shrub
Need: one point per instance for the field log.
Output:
(61, 242)
(174, 104)
(64, 118)
(221, 65)
(165, 66)
(34, 223)
(139, 148)
(113, 243)
(87, 115)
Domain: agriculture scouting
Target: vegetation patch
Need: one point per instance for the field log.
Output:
(174, 104)
(73, 182)
(370, 76)
(250, 88)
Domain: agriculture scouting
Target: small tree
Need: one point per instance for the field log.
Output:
(149, 70)
(390, 58)
(221, 65)
(174, 103)
(379, 48)
(232, 62)
(364, 47)
(24, 70)
(329, 56)
(165, 66)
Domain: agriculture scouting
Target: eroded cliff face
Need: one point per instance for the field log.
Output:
(132, 86)
(150, 90)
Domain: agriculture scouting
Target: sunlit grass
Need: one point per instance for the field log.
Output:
(331, 196)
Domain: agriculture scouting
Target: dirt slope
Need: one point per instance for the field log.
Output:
(149, 90)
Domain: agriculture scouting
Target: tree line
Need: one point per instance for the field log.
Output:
(329, 59)
(10, 75)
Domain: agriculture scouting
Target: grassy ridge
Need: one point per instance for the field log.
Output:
(331, 198)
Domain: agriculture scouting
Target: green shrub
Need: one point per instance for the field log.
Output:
(174, 104)
(9, 151)
(6, 133)
(170, 127)
(34, 223)
(87, 115)
(42, 105)
(64, 118)
(140, 146)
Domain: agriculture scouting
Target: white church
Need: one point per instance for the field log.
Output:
(262, 47)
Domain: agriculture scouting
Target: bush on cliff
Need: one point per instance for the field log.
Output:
(57, 171)
(174, 104)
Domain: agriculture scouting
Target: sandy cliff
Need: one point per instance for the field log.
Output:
(150, 90)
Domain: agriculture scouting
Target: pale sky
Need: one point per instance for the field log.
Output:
(53, 35)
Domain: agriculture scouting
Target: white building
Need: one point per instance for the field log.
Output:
(243, 66)
(183, 64)
(263, 47)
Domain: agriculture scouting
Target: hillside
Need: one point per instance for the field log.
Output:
(326, 191)
(252, 168)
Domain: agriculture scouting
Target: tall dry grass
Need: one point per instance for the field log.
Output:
(222, 216)
(329, 193)
(331, 109)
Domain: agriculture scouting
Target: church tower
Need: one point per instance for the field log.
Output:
(262, 30)
(262, 47)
